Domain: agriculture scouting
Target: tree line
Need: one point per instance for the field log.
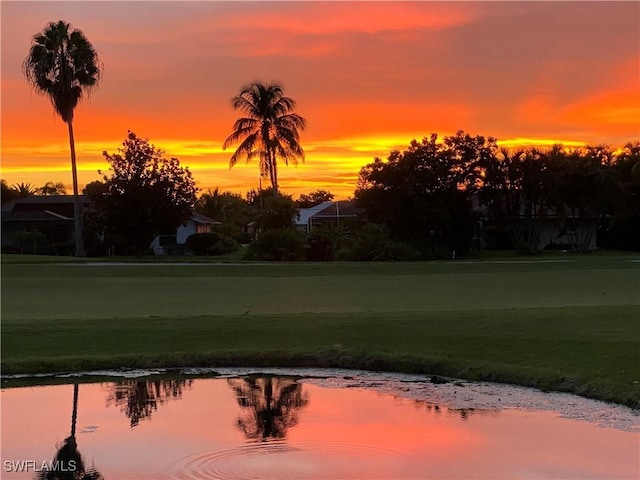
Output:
(429, 200)
(436, 193)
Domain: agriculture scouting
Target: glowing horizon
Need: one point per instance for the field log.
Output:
(368, 77)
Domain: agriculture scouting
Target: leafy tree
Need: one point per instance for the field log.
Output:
(52, 188)
(278, 212)
(270, 129)
(516, 189)
(624, 231)
(585, 189)
(314, 198)
(8, 193)
(63, 65)
(145, 195)
(420, 195)
(228, 208)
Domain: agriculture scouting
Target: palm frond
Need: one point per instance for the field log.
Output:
(62, 65)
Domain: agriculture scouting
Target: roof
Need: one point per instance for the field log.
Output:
(306, 213)
(203, 219)
(50, 199)
(342, 208)
(38, 215)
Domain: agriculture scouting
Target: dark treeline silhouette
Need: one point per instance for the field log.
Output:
(442, 196)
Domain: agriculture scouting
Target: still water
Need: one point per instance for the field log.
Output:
(277, 427)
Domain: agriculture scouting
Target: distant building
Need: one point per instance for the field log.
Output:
(52, 215)
(196, 224)
(326, 213)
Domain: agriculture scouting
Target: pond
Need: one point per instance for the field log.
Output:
(302, 425)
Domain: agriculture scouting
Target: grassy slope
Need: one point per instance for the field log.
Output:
(564, 326)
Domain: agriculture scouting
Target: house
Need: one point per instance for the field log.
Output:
(196, 224)
(51, 215)
(326, 213)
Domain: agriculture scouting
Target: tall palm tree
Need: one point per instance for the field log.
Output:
(63, 65)
(270, 129)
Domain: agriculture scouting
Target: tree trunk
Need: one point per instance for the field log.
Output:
(77, 213)
(275, 175)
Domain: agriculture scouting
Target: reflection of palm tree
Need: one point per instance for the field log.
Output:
(138, 399)
(68, 463)
(268, 405)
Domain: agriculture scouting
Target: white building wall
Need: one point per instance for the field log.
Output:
(184, 231)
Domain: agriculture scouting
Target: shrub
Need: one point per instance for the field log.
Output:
(210, 244)
(286, 244)
(372, 243)
(324, 241)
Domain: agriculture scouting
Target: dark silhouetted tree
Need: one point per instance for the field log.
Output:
(269, 131)
(8, 193)
(144, 196)
(228, 208)
(421, 195)
(52, 188)
(308, 200)
(63, 65)
(24, 190)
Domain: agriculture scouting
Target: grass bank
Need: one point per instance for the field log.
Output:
(565, 326)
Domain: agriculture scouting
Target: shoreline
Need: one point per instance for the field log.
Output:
(454, 394)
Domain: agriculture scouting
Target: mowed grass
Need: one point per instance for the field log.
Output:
(569, 323)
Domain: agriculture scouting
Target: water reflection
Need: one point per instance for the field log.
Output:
(67, 464)
(269, 405)
(297, 430)
(139, 399)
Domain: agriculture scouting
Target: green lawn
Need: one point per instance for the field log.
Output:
(562, 322)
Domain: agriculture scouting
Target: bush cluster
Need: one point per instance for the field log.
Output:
(211, 243)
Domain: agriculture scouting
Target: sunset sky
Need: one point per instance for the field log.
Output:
(368, 77)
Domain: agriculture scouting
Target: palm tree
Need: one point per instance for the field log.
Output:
(270, 129)
(63, 65)
(52, 189)
(24, 190)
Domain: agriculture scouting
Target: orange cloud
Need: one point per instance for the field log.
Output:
(619, 110)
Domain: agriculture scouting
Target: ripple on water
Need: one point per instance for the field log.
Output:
(285, 461)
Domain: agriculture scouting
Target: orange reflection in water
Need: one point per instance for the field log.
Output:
(264, 427)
